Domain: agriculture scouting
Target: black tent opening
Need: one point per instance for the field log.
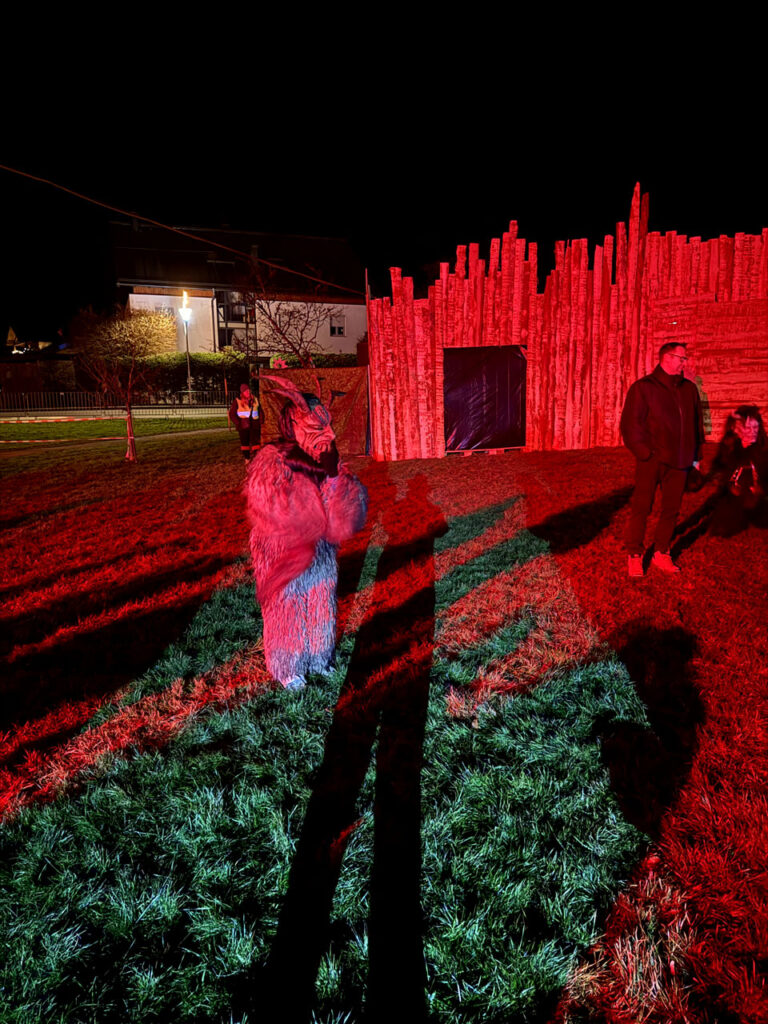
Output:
(484, 395)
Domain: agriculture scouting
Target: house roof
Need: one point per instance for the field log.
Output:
(221, 258)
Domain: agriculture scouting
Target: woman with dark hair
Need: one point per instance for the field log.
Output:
(741, 464)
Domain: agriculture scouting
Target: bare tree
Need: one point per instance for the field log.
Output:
(112, 351)
(277, 324)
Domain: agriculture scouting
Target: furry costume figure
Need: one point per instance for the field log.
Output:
(302, 503)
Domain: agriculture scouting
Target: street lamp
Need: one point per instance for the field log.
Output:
(185, 313)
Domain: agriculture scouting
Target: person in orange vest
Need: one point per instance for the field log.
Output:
(244, 416)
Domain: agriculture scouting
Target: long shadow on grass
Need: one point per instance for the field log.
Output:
(41, 514)
(97, 662)
(579, 525)
(27, 628)
(385, 694)
(721, 514)
(168, 545)
(648, 767)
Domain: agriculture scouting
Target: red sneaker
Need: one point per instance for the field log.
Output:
(635, 566)
(661, 560)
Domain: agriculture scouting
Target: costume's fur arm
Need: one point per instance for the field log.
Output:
(346, 504)
(287, 519)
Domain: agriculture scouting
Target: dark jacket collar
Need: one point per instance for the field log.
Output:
(667, 379)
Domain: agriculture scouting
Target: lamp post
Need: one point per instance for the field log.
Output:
(185, 313)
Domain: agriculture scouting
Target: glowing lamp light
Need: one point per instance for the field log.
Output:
(186, 310)
(186, 313)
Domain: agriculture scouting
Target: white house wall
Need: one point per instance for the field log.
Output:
(201, 323)
(355, 325)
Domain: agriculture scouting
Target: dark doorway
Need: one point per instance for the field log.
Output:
(484, 394)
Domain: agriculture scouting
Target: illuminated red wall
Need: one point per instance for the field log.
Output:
(592, 332)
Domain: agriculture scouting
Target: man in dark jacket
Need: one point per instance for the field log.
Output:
(662, 426)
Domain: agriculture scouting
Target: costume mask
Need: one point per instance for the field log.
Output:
(313, 431)
(307, 421)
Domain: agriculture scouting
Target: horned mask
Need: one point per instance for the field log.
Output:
(306, 420)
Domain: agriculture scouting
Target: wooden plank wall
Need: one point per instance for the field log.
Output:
(589, 334)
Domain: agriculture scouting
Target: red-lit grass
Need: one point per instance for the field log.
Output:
(76, 534)
(99, 557)
(150, 722)
(41, 731)
(81, 622)
(560, 638)
(711, 841)
(409, 578)
(41, 774)
(636, 973)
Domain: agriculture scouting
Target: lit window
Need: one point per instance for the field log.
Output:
(338, 326)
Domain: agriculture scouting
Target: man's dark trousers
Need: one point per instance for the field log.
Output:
(648, 476)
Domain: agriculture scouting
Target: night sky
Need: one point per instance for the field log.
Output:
(406, 174)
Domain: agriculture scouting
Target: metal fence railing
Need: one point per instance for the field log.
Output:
(168, 403)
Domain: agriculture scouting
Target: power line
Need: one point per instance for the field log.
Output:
(180, 231)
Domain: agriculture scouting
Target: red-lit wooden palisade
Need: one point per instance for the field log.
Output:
(591, 332)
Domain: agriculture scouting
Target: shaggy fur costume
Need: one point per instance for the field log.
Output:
(299, 514)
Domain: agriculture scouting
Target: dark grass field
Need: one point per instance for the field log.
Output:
(93, 429)
(534, 790)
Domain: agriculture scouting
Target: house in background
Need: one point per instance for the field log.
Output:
(155, 267)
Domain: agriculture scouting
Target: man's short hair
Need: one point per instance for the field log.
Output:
(668, 346)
